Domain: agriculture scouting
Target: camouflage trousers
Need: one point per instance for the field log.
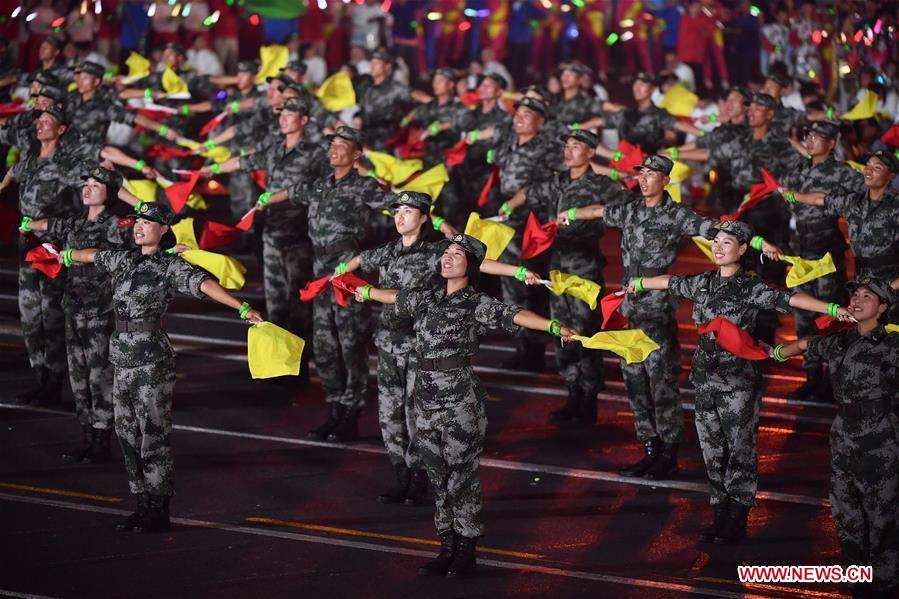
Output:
(450, 441)
(43, 320)
(830, 288)
(577, 364)
(143, 422)
(727, 422)
(90, 372)
(286, 269)
(652, 385)
(396, 406)
(340, 335)
(243, 191)
(864, 494)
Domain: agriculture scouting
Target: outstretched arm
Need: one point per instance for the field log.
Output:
(804, 301)
(218, 293)
(794, 349)
(591, 212)
(535, 322)
(812, 198)
(501, 269)
(657, 283)
(372, 293)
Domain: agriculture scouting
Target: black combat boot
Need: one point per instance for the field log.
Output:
(348, 427)
(463, 564)
(143, 504)
(651, 447)
(734, 529)
(708, 534)
(665, 465)
(397, 494)
(156, 518)
(439, 565)
(77, 454)
(28, 395)
(418, 488)
(586, 412)
(566, 413)
(809, 389)
(335, 414)
(100, 452)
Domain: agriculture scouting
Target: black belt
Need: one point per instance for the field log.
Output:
(136, 326)
(334, 249)
(862, 409)
(444, 363)
(644, 271)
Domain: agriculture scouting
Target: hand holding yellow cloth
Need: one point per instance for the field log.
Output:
(229, 272)
(496, 236)
(804, 270)
(575, 286)
(217, 154)
(336, 92)
(631, 344)
(272, 351)
(679, 101)
(172, 83)
(184, 232)
(138, 66)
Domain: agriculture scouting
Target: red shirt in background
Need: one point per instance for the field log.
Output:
(693, 37)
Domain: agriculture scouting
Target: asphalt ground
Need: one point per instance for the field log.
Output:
(260, 511)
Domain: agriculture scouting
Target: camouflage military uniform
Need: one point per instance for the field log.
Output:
(646, 128)
(381, 106)
(91, 118)
(725, 145)
(242, 190)
(18, 130)
(338, 213)
(286, 249)
(144, 360)
(400, 267)
(817, 232)
(47, 188)
(472, 174)
(575, 110)
(864, 479)
(451, 420)
(575, 250)
(198, 87)
(728, 388)
(786, 119)
(88, 314)
(649, 242)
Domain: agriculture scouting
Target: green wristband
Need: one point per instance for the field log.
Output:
(553, 327)
(490, 156)
(791, 197)
(829, 113)
(473, 136)
(701, 133)
(370, 173)
(24, 226)
(572, 214)
(613, 175)
(243, 152)
(210, 144)
(436, 221)
(263, 199)
(777, 355)
(140, 165)
(832, 309)
(163, 130)
(170, 251)
(138, 205)
(67, 258)
(341, 268)
(404, 121)
(757, 242)
(713, 118)
(148, 93)
(243, 310)
(521, 273)
(505, 209)
(432, 128)
(235, 106)
(365, 292)
(575, 126)
(185, 109)
(638, 285)
(215, 168)
(617, 156)
(673, 153)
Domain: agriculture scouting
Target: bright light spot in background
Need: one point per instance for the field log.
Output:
(627, 36)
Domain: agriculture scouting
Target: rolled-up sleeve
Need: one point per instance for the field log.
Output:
(494, 314)
(186, 279)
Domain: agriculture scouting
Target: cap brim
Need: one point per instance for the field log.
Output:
(853, 286)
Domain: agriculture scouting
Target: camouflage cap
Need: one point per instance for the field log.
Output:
(294, 104)
(43, 78)
(500, 80)
(647, 78)
(350, 134)
(156, 212)
(878, 287)
(583, 136)
(54, 93)
(282, 78)
(105, 176)
(412, 199)
(248, 66)
(446, 72)
(576, 67)
(56, 113)
(889, 159)
(737, 228)
(657, 163)
(298, 66)
(472, 246)
(91, 68)
(743, 91)
(177, 47)
(534, 104)
(382, 56)
(825, 128)
(765, 100)
(56, 41)
(779, 78)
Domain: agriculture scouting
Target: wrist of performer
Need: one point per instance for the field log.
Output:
(163, 130)
(572, 214)
(506, 209)
(209, 144)
(437, 221)
(341, 268)
(833, 310)
(243, 310)
(638, 285)
(757, 242)
(185, 109)
(790, 195)
(521, 273)
(24, 226)
(613, 174)
(67, 259)
(216, 168)
(365, 292)
(433, 128)
(554, 327)
(235, 106)
(140, 165)
(264, 199)
(777, 355)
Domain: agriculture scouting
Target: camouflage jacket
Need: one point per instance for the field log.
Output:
(817, 231)
(339, 210)
(284, 168)
(786, 119)
(873, 226)
(577, 109)
(451, 326)
(862, 368)
(773, 152)
(523, 165)
(142, 286)
(381, 107)
(453, 112)
(88, 290)
(19, 131)
(646, 128)
(737, 298)
(476, 119)
(198, 86)
(91, 118)
(724, 144)
(400, 267)
(650, 238)
(257, 129)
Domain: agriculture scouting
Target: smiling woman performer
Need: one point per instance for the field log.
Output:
(144, 377)
(728, 387)
(450, 399)
(863, 362)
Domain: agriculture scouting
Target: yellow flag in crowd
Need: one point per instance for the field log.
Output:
(143, 189)
(184, 232)
(188, 143)
(680, 172)
(271, 60)
(430, 182)
(391, 169)
(631, 344)
(197, 202)
(272, 351)
(804, 270)
(496, 236)
(705, 246)
(138, 66)
(865, 109)
(679, 101)
(856, 165)
(336, 92)
(217, 154)
(229, 272)
(673, 190)
(575, 286)
(172, 83)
